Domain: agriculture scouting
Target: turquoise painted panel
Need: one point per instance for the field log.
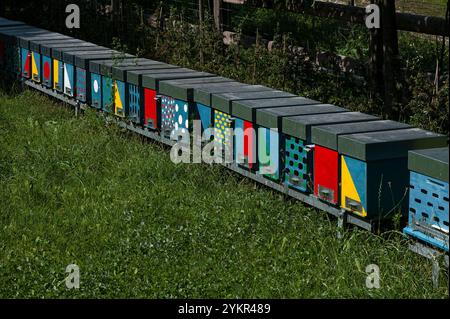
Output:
(25, 63)
(81, 87)
(205, 114)
(107, 94)
(47, 71)
(69, 78)
(96, 90)
(296, 164)
(358, 173)
(134, 104)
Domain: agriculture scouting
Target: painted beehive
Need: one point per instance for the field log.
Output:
(374, 171)
(119, 75)
(271, 143)
(182, 93)
(63, 75)
(429, 196)
(55, 76)
(83, 88)
(326, 157)
(203, 98)
(139, 96)
(251, 150)
(167, 111)
(44, 74)
(31, 67)
(298, 155)
(69, 65)
(5, 23)
(36, 58)
(103, 88)
(225, 123)
(13, 53)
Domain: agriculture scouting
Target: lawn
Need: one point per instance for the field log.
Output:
(79, 190)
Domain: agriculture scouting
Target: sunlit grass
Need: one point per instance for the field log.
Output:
(76, 190)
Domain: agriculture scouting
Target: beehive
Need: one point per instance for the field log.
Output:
(429, 196)
(298, 156)
(182, 91)
(224, 121)
(203, 98)
(326, 156)
(167, 112)
(374, 171)
(55, 76)
(32, 44)
(140, 96)
(271, 143)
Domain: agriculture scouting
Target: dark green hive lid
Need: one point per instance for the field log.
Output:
(224, 101)
(11, 35)
(204, 95)
(272, 117)
(135, 76)
(5, 23)
(57, 53)
(184, 89)
(300, 126)
(327, 135)
(118, 70)
(246, 109)
(47, 48)
(69, 57)
(26, 39)
(35, 45)
(432, 162)
(388, 144)
(82, 60)
(151, 80)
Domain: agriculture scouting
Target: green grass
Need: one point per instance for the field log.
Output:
(78, 190)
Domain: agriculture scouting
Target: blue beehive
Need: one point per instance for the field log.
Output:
(428, 196)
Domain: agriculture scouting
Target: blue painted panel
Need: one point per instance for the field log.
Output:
(436, 242)
(37, 64)
(134, 104)
(181, 115)
(69, 79)
(205, 114)
(81, 87)
(25, 63)
(47, 72)
(120, 106)
(107, 94)
(96, 90)
(268, 153)
(358, 172)
(239, 141)
(428, 208)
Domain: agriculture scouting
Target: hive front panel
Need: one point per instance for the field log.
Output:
(428, 209)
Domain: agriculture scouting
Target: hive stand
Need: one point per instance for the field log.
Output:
(434, 256)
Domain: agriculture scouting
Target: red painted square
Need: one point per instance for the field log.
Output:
(326, 172)
(248, 144)
(150, 107)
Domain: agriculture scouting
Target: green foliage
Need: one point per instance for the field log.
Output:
(83, 191)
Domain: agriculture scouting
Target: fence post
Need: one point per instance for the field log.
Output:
(217, 6)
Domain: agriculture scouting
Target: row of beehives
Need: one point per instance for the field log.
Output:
(351, 160)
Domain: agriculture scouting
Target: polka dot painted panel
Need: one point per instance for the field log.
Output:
(167, 113)
(181, 115)
(222, 122)
(296, 164)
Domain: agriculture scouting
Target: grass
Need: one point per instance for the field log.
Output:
(78, 190)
